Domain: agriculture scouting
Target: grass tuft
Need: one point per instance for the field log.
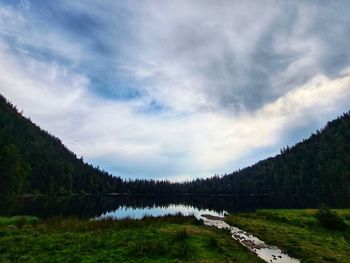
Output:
(152, 239)
(329, 219)
(299, 232)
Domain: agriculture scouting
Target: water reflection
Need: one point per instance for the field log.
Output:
(138, 213)
(95, 206)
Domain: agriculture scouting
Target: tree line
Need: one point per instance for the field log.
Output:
(34, 161)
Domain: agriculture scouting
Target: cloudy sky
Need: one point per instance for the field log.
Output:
(179, 89)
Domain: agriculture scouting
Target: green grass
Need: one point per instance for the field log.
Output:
(166, 239)
(18, 221)
(298, 233)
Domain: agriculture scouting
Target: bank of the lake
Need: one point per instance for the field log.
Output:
(298, 233)
(163, 239)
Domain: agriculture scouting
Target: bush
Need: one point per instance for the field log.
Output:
(181, 235)
(20, 222)
(147, 248)
(330, 220)
(213, 243)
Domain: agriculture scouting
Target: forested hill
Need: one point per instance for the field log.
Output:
(318, 166)
(33, 161)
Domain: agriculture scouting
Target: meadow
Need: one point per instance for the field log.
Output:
(164, 239)
(298, 232)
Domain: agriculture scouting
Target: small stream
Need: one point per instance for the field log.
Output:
(260, 248)
(211, 218)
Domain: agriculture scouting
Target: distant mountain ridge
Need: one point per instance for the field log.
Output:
(318, 166)
(33, 161)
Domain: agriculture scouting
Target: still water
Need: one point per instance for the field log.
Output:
(264, 251)
(139, 206)
(138, 213)
(205, 208)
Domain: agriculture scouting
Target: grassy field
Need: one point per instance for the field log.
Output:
(166, 239)
(298, 233)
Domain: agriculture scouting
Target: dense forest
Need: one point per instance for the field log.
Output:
(34, 161)
(318, 166)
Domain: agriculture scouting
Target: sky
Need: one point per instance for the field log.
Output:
(176, 90)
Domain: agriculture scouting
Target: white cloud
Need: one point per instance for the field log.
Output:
(193, 59)
(166, 145)
(196, 55)
(26, 34)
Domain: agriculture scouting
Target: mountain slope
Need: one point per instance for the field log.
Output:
(318, 166)
(32, 160)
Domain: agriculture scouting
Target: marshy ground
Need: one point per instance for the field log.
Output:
(298, 233)
(171, 238)
(164, 239)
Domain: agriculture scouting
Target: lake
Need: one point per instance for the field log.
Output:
(210, 209)
(138, 206)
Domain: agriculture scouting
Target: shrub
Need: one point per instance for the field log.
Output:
(147, 248)
(181, 235)
(180, 246)
(213, 243)
(20, 222)
(330, 220)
